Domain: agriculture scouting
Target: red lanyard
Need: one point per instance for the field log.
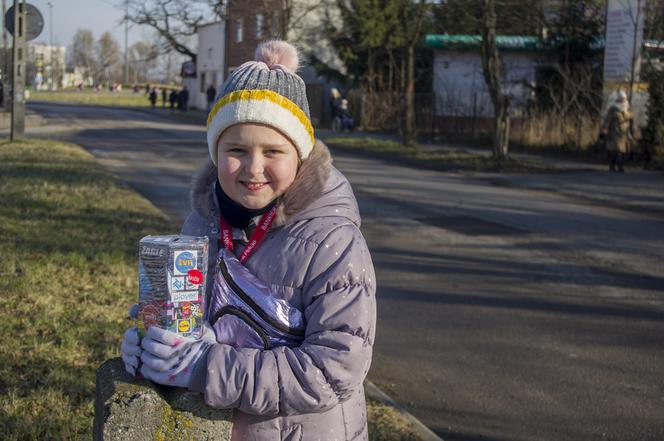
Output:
(256, 237)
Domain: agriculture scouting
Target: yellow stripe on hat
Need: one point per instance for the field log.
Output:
(269, 95)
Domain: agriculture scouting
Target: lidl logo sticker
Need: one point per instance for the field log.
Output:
(184, 325)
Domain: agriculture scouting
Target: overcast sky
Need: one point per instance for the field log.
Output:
(96, 15)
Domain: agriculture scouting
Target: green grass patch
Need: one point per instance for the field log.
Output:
(68, 245)
(437, 159)
(126, 98)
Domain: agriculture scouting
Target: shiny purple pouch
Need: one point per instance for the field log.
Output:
(245, 314)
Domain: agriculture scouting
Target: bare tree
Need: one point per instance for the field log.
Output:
(83, 52)
(142, 59)
(109, 58)
(492, 68)
(412, 20)
(176, 21)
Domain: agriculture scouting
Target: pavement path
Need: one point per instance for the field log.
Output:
(511, 307)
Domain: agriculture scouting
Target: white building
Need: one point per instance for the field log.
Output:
(209, 63)
(458, 79)
(46, 66)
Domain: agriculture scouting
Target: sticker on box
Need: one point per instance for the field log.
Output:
(184, 296)
(183, 261)
(184, 325)
(177, 283)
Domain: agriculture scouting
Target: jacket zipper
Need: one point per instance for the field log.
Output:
(232, 310)
(250, 302)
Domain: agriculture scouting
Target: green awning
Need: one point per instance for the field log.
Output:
(514, 42)
(465, 42)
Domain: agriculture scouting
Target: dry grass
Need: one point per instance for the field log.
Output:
(436, 159)
(386, 424)
(68, 235)
(550, 131)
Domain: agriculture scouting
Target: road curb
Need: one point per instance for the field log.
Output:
(423, 432)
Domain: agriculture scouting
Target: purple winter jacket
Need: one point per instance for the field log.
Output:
(315, 259)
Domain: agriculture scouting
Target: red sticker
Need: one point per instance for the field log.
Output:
(195, 277)
(150, 315)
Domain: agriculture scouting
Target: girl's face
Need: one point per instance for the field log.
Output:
(255, 164)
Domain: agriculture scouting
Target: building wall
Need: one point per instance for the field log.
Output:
(460, 89)
(241, 45)
(209, 62)
(304, 32)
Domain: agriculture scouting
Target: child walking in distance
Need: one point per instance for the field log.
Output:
(290, 313)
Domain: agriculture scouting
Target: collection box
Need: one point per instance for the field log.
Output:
(172, 275)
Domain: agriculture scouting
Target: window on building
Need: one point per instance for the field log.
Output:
(259, 26)
(202, 82)
(239, 30)
(276, 27)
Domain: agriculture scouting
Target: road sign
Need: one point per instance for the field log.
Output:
(34, 19)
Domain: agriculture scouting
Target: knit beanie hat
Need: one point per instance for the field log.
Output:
(265, 91)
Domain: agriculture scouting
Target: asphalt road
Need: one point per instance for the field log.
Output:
(510, 307)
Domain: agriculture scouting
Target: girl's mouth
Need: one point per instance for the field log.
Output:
(253, 186)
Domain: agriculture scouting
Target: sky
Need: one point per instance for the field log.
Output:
(96, 15)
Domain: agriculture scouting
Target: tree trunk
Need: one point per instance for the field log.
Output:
(409, 132)
(491, 66)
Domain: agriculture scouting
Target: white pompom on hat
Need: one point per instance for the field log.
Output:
(265, 91)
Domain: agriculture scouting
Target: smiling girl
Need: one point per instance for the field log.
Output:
(291, 312)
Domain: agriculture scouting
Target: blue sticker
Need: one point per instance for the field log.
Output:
(184, 261)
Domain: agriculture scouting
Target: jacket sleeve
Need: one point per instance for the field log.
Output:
(333, 359)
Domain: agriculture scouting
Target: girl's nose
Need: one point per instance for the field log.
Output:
(255, 164)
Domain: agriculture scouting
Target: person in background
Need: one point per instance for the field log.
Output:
(617, 130)
(183, 99)
(335, 101)
(173, 98)
(164, 97)
(347, 121)
(153, 98)
(211, 93)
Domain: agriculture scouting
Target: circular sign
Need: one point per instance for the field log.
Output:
(195, 277)
(34, 18)
(184, 262)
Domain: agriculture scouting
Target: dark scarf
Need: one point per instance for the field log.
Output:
(237, 215)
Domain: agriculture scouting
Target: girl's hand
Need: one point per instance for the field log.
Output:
(173, 360)
(131, 348)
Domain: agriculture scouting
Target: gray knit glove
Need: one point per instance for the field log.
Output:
(131, 345)
(173, 360)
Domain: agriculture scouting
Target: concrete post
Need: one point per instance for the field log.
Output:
(18, 71)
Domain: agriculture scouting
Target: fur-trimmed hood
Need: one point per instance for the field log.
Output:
(319, 190)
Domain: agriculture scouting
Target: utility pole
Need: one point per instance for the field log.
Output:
(18, 71)
(126, 52)
(5, 58)
(50, 49)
